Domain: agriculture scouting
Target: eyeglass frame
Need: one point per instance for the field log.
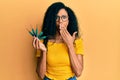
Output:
(62, 18)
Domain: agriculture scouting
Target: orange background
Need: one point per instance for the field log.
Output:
(100, 24)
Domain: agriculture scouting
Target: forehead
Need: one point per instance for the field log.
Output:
(62, 12)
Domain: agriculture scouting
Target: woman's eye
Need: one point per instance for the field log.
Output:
(64, 17)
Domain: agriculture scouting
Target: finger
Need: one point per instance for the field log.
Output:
(74, 34)
(34, 42)
(37, 43)
(66, 33)
(63, 35)
(65, 26)
(61, 31)
(62, 26)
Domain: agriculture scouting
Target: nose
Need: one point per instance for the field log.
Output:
(60, 19)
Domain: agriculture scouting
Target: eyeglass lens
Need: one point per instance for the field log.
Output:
(63, 17)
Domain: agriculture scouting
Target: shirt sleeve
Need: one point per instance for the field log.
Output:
(79, 46)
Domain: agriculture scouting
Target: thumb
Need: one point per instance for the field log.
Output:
(74, 34)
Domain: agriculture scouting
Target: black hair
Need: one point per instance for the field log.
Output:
(49, 23)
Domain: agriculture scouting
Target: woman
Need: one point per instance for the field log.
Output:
(60, 55)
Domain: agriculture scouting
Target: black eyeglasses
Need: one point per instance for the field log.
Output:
(63, 17)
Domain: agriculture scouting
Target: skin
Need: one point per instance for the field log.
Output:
(62, 36)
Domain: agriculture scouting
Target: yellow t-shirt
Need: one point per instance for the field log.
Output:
(58, 62)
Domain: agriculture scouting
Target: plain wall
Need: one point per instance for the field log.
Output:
(99, 21)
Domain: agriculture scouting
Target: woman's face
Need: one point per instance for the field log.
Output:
(62, 19)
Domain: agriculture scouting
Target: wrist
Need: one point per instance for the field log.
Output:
(44, 52)
(70, 45)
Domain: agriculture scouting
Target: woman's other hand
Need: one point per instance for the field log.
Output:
(68, 39)
(37, 44)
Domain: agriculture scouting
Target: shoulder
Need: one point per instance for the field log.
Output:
(78, 39)
(78, 43)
